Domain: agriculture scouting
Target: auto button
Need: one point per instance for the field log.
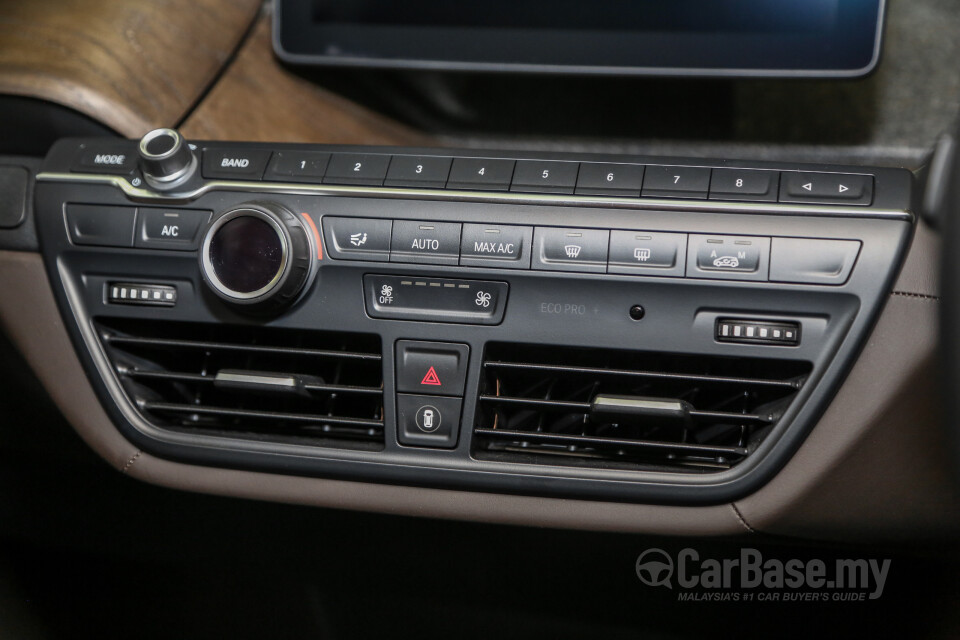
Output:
(425, 242)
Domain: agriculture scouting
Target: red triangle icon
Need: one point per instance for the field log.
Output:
(431, 378)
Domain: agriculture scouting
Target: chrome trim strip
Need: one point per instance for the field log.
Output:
(249, 378)
(509, 197)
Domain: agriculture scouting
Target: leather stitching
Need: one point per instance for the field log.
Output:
(922, 296)
(741, 518)
(130, 462)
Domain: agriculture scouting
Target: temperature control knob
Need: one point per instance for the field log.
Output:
(258, 255)
(166, 159)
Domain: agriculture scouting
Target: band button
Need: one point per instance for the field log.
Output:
(235, 164)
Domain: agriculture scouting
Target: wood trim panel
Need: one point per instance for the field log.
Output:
(259, 100)
(133, 66)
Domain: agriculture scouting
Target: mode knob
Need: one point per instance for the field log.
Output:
(258, 255)
(166, 159)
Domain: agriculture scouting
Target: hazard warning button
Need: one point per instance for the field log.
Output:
(435, 368)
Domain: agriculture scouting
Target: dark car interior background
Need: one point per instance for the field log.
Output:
(432, 319)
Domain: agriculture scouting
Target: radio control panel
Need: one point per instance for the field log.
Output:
(628, 328)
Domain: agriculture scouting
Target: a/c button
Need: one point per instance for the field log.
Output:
(175, 229)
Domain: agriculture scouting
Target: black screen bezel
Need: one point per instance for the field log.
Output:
(853, 50)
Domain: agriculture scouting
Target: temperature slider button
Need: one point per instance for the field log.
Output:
(435, 299)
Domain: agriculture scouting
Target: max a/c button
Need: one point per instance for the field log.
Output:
(437, 368)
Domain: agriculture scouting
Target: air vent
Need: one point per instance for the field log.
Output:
(616, 409)
(251, 382)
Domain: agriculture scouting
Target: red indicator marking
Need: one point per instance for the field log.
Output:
(431, 378)
(316, 235)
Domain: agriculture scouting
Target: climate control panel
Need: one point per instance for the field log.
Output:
(628, 328)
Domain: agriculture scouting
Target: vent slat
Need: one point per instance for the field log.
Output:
(588, 407)
(622, 443)
(223, 346)
(682, 377)
(195, 377)
(260, 415)
(585, 407)
(251, 381)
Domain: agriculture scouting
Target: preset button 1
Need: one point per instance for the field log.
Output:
(298, 166)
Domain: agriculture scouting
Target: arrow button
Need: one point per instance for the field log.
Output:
(825, 188)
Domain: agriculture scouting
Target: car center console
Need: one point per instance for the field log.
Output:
(623, 328)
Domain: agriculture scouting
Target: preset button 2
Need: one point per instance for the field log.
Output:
(357, 168)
